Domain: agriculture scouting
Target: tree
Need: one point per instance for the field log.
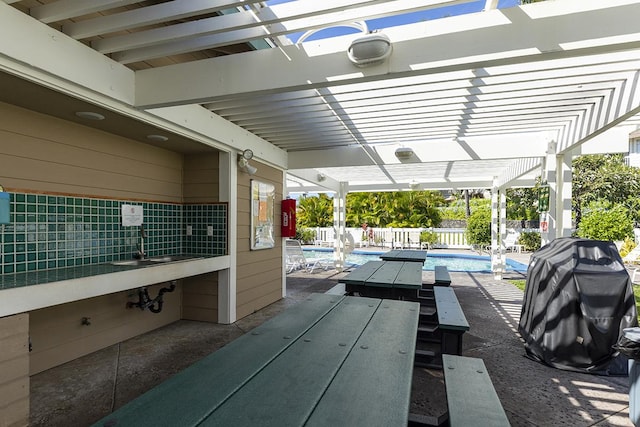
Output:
(314, 211)
(603, 220)
(604, 177)
(479, 226)
(522, 203)
(394, 209)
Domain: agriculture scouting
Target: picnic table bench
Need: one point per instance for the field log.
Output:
(386, 279)
(442, 277)
(471, 398)
(321, 362)
(449, 329)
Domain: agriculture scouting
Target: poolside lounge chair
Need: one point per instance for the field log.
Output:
(296, 259)
(631, 261)
(510, 242)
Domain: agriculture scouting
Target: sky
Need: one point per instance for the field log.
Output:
(380, 23)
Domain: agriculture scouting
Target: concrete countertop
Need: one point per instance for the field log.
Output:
(23, 292)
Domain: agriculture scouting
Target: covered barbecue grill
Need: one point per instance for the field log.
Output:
(578, 298)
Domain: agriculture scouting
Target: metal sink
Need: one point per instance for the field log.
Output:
(131, 262)
(153, 261)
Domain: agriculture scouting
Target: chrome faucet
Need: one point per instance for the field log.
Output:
(141, 254)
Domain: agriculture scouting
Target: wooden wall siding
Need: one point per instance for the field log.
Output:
(14, 370)
(200, 298)
(259, 273)
(58, 335)
(201, 178)
(44, 154)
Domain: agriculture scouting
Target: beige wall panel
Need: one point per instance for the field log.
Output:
(200, 301)
(200, 193)
(43, 154)
(48, 128)
(258, 279)
(58, 335)
(13, 346)
(13, 415)
(250, 307)
(14, 325)
(201, 178)
(202, 161)
(200, 298)
(80, 179)
(14, 370)
(259, 273)
(258, 268)
(111, 159)
(200, 314)
(206, 284)
(14, 390)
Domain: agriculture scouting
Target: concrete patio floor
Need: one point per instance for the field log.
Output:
(82, 391)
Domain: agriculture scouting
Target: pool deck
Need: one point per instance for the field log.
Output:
(533, 395)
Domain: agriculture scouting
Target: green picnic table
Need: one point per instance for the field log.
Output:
(405, 255)
(385, 279)
(319, 363)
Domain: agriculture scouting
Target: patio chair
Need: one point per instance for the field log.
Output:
(296, 259)
(631, 261)
(510, 242)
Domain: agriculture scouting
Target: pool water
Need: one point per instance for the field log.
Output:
(453, 262)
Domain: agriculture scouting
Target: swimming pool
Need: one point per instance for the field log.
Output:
(453, 262)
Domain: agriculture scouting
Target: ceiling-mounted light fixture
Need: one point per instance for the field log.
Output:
(157, 138)
(404, 153)
(89, 115)
(243, 162)
(371, 49)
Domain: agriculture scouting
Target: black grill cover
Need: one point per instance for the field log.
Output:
(578, 298)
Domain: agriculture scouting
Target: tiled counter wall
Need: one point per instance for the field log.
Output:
(49, 231)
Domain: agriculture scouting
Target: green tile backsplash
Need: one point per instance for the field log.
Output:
(48, 232)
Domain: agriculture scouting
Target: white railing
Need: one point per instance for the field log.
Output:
(395, 237)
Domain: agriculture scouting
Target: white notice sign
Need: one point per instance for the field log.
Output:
(132, 215)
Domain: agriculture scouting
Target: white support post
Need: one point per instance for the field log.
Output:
(285, 192)
(227, 278)
(563, 197)
(339, 225)
(498, 229)
(550, 175)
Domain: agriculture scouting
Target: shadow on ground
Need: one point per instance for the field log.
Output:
(532, 394)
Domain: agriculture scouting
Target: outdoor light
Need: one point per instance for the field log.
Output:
(404, 153)
(243, 162)
(370, 49)
(89, 115)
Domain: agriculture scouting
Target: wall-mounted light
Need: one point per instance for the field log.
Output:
(404, 153)
(321, 177)
(414, 185)
(371, 49)
(243, 162)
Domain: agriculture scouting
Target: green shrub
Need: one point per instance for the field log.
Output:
(530, 240)
(479, 226)
(428, 237)
(306, 235)
(605, 221)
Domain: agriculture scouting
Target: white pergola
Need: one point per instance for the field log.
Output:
(491, 99)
